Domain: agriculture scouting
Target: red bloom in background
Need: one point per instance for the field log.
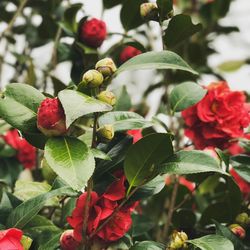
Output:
(136, 134)
(93, 32)
(10, 239)
(243, 185)
(26, 153)
(102, 208)
(129, 52)
(219, 117)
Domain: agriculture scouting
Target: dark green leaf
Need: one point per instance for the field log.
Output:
(148, 245)
(243, 171)
(165, 8)
(141, 225)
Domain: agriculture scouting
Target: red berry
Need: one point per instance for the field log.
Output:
(67, 241)
(129, 52)
(51, 117)
(93, 32)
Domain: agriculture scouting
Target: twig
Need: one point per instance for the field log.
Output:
(93, 145)
(12, 21)
(171, 210)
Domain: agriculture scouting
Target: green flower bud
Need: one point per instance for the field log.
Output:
(106, 66)
(106, 132)
(242, 219)
(108, 97)
(178, 240)
(149, 11)
(92, 78)
(26, 242)
(238, 230)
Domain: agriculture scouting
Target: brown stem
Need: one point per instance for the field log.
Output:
(171, 210)
(12, 21)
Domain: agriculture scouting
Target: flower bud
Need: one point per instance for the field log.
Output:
(242, 219)
(178, 240)
(108, 97)
(149, 11)
(106, 66)
(106, 132)
(238, 230)
(47, 172)
(51, 117)
(67, 241)
(92, 78)
(26, 242)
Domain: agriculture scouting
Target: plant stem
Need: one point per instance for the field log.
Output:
(12, 21)
(171, 210)
(94, 143)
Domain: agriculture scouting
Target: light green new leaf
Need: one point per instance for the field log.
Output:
(191, 162)
(19, 106)
(77, 104)
(122, 120)
(70, 159)
(186, 95)
(156, 60)
(142, 159)
(212, 242)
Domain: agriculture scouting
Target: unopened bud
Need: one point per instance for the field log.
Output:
(68, 242)
(238, 230)
(106, 66)
(243, 219)
(106, 132)
(108, 97)
(178, 240)
(149, 11)
(92, 78)
(26, 242)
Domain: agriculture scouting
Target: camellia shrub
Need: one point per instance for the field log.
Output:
(85, 167)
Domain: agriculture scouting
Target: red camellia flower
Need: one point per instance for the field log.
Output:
(10, 239)
(26, 153)
(67, 241)
(93, 32)
(136, 134)
(129, 52)
(102, 208)
(219, 117)
(51, 117)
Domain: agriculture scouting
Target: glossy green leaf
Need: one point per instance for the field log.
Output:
(186, 95)
(212, 242)
(19, 106)
(179, 29)
(130, 14)
(191, 162)
(156, 60)
(122, 120)
(52, 243)
(143, 158)
(243, 171)
(70, 159)
(100, 155)
(70, 16)
(141, 225)
(148, 245)
(26, 211)
(76, 105)
(123, 102)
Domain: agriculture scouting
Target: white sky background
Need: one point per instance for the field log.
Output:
(230, 47)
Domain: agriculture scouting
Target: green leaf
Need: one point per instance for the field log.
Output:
(156, 60)
(141, 225)
(123, 102)
(243, 171)
(27, 210)
(76, 105)
(226, 232)
(186, 95)
(231, 66)
(130, 14)
(179, 29)
(165, 8)
(25, 190)
(110, 4)
(122, 120)
(70, 16)
(19, 106)
(191, 162)
(142, 159)
(212, 242)
(70, 159)
(148, 245)
(52, 243)
(100, 155)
